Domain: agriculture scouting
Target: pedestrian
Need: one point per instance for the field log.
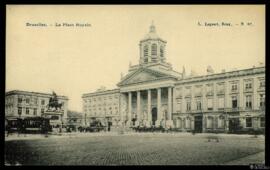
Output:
(8, 129)
(24, 129)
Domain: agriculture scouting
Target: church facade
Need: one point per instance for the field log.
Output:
(153, 94)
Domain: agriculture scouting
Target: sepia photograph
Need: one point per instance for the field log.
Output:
(118, 85)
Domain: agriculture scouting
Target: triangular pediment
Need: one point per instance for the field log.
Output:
(143, 75)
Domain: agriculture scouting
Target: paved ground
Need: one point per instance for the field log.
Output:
(134, 149)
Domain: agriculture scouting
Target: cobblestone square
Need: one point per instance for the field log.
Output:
(136, 149)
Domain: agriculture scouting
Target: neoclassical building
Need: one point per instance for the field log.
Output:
(22, 104)
(153, 94)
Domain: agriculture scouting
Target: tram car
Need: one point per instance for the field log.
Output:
(29, 125)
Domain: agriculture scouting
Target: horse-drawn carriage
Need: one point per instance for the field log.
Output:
(95, 126)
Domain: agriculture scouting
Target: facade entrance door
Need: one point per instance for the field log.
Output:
(154, 115)
(234, 124)
(198, 123)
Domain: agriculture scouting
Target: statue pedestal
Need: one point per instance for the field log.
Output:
(55, 116)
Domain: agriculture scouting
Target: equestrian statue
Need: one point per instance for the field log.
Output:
(53, 102)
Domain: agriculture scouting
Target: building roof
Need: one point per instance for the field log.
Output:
(237, 73)
(101, 92)
(14, 92)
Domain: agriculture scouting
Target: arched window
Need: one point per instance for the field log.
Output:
(161, 52)
(154, 49)
(145, 51)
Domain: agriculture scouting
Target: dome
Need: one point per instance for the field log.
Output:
(152, 34)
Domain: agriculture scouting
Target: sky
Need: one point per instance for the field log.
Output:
(77, 60)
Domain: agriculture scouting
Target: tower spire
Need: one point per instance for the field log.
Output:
(152, 27)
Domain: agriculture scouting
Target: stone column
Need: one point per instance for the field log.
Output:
(129, 107)
(159, 113)
(149, 107)
(138, 108)
(169, 121)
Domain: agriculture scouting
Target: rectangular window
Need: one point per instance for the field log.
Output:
(262, 83)
(248, 86)
(249, 101)
(199, 105)
(234, 87)
(19, 100)
(234, 102)
(262, 122)
(262, 100)
(42, 102)
(221, 103)
(19, 111)
(27, 111)
(42, 111)
(178, 109)
(27, 100)
(188, 106)
(248, 122)
(35, 111)
(210, 104)
(35, 101)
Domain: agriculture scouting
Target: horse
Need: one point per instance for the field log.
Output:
(55, 105)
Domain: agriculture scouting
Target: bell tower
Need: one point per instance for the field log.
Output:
(152, 48)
